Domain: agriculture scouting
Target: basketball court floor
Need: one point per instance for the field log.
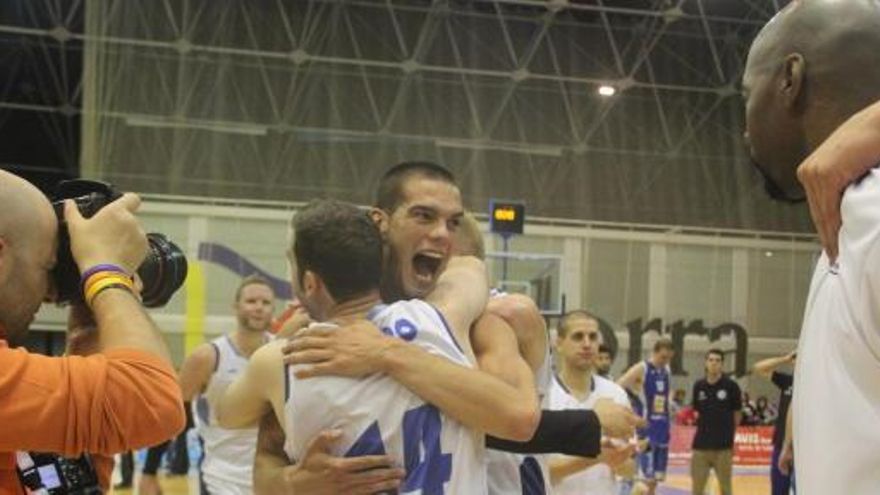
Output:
(747, 481)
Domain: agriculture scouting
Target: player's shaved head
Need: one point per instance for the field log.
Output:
(811, 67)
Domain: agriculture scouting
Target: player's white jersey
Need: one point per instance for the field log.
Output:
(836, 403)
(598, 479)
(227, 465)
(518, 474)
(377, 415)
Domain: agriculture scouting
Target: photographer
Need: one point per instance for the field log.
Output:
(123, 396)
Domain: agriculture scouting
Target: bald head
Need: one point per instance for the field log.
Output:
(25, 209)
(811, 67)
(838, 40)
(28, 231)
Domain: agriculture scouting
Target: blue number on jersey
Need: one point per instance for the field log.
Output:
(369, 443)
(403, 329)
(427, 467)
(531, 477)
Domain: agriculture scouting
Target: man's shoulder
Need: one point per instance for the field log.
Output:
(16, 359)
(781, 379)
(403, 306)
(206, 351)
(412, 310)
(730, 381)
(603, 383)
(557, 388)
(610, 389)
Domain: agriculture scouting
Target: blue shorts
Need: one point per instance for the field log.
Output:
(653, 462)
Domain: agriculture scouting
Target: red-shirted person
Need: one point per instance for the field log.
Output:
(124, 394)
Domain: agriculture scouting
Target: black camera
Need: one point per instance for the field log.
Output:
(55, 475)
(162, 272)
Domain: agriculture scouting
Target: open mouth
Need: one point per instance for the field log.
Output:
(426, 266)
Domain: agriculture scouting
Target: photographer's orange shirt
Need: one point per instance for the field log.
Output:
(101, 404)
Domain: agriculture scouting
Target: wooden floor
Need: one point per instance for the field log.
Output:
(171, 485)
(678, 484)
(748, 481)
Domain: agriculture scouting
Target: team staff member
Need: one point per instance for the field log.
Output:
(718, 400)
(122, 397)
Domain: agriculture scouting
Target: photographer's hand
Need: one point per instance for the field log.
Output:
(113, 235)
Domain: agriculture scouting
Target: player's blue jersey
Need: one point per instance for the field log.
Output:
(655, 391)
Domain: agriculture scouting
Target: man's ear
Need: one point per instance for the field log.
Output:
(311, 282)
(382, 220)
(791, 86)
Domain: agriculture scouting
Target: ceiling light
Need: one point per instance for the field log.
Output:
(606, 90)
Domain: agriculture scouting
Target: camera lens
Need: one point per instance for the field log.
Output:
(162, 272)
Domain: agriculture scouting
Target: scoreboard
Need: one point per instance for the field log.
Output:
(506, 217)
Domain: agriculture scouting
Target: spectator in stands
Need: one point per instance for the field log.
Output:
(749, 414)
(678, 401)
(765, 413)
(687, 416)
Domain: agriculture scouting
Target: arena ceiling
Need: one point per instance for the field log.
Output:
(289, 100)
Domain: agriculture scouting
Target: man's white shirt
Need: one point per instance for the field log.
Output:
(378, 416)
(837, 378)
(598, 479)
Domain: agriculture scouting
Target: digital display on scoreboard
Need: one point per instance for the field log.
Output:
(507, 217)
